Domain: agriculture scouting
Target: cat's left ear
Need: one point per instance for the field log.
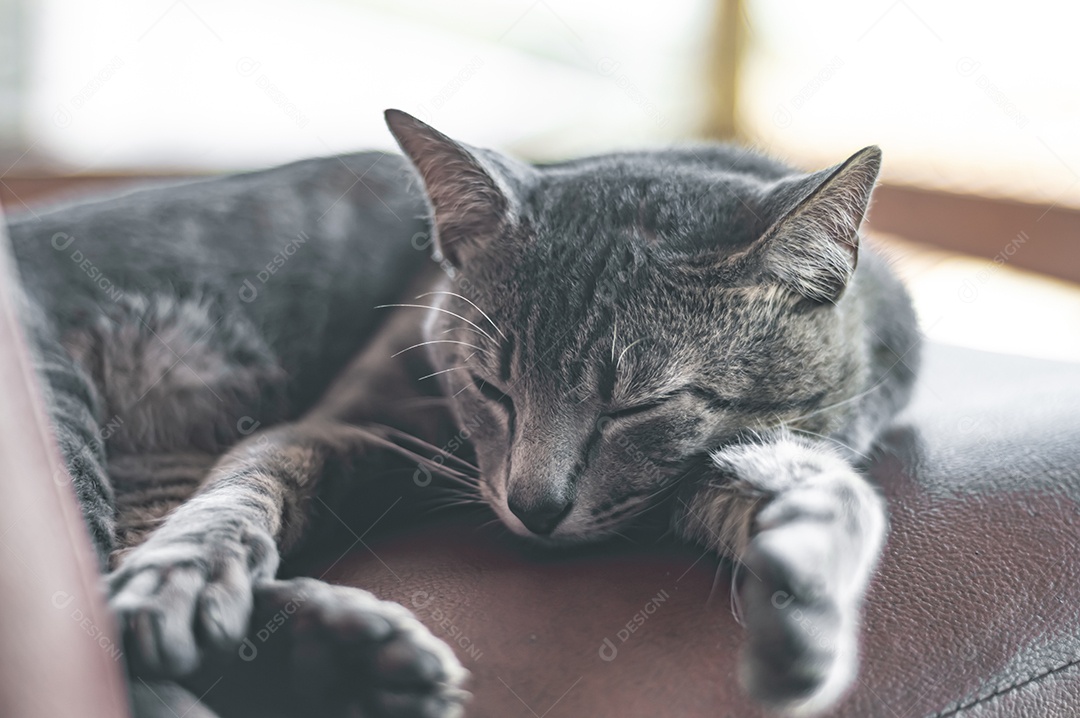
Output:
(814, 247)
(469, 201)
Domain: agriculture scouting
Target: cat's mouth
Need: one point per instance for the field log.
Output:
(569, 532)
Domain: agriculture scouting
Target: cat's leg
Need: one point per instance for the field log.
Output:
(188, 592)
(807, 530)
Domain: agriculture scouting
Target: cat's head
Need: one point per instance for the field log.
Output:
(607, 321)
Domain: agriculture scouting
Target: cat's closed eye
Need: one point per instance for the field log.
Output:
(635, 410)
(493, 393)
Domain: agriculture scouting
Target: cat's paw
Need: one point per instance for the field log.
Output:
(180, 601)
(349, 652)
(800, 654)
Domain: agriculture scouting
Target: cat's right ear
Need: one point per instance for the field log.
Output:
(469, 207)
(813, 248)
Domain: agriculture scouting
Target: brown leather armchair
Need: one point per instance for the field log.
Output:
(974, 610)
(58, 656)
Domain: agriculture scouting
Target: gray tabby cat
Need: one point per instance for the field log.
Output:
(696, 330)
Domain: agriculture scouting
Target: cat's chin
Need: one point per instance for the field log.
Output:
(569, 535)
(556, 541)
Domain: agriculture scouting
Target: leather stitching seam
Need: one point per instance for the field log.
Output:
(1002, 690)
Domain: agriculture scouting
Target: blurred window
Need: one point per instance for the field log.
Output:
(192, 84)
(980, 97)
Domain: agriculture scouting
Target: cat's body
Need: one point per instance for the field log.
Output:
(197, 312)
(615, 333)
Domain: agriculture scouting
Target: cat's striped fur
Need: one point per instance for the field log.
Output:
(683, 329)
(164, 339)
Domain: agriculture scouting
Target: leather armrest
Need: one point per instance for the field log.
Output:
(57, 653)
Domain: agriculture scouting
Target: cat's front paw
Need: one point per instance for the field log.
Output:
(800, 654)
(181, 600)
(349, 652)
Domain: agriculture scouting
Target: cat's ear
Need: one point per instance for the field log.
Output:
(814, 247)
(468, 205)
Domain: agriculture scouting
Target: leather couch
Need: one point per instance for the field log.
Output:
(974, 610)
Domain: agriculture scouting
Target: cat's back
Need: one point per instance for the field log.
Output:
(304, 251)
(213, 232)
(233, 283)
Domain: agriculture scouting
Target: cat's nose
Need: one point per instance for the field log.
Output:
(540, 516)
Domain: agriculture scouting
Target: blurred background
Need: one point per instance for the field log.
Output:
(975, 104)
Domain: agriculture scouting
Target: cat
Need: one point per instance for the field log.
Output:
(698, 331)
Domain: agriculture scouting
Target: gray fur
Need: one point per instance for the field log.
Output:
(657, 308)
(172, 323)
(694, 333)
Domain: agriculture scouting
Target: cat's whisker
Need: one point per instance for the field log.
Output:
(736, 600)
(442, 371)
(472, 490)
(435, 467)
(461, 483)
(829, 438)
(462, 329)
(653, 499)
(614, 338)
(452, 497)
(456, 491)
(640, 506)
(466, 299)
(439, 341)
(838, 404)
(456, 503)
(394, 431)
(432, 465)
(643, 507)
(436, 507)
(627, 348)
(439, 309)
(458, 474)
(497, 521)
(715, 583)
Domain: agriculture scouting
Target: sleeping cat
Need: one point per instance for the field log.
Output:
(693, 330)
